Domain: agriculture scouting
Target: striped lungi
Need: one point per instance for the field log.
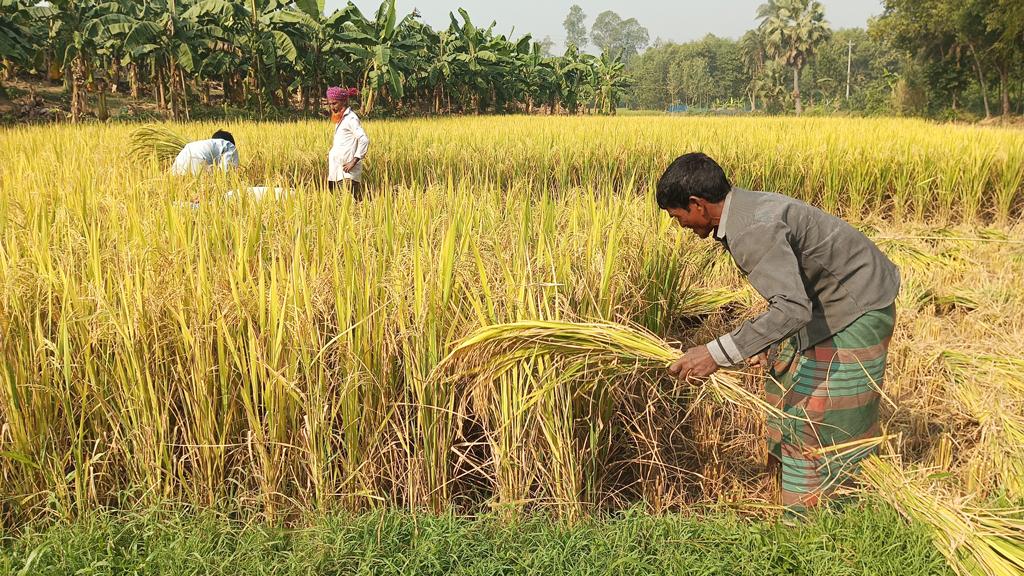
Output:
(832, 393)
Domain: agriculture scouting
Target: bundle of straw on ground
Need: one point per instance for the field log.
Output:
(976, 540)
(978, 367)
(990, 389)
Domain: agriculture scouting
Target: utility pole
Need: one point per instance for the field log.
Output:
(849, 66)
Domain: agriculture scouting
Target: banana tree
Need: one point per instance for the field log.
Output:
(325, 42)
(573, 73)
(610, 80)
(442, 69)
(431, 82)
(506, 83)
(535, 73)
(82, 32)
(265, 46)
(161, 32)
(480, 56)
(19, 41)
(387, 49)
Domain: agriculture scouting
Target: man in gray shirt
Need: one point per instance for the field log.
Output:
(830, 317)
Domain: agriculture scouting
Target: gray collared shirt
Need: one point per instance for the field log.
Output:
(817, 272)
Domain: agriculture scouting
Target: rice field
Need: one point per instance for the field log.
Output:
(281, 356)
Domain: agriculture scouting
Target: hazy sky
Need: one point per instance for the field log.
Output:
(677, 20)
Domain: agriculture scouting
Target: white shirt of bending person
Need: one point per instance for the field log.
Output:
(350, 141)
(196, 156)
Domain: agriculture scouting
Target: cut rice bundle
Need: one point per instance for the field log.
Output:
(1007, 371)
(605, 348)
(156, 142)
(975, 540)
(988, 388)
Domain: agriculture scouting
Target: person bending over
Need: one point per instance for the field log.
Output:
(218, 152)
(825, 335)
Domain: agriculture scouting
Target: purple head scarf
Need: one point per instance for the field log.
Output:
(335, 93)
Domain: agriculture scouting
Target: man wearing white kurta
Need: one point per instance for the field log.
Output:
(350, 144)
(217, 152)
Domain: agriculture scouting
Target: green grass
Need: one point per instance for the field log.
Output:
(865, 539)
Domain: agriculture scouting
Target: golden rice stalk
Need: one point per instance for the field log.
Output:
(607, 348)
(157, 142)
(975, 540)
(1005, 370)
(908, 254)
(702, 302)
(985, 387)
(949, 301)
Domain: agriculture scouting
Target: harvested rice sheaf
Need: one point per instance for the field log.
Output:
(157, 142)
(607, 348)
(976, 540)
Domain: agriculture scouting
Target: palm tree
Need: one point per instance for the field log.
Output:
(793, 30)
(753, 53)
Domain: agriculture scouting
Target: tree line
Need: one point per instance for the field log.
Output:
(940, 58)
(267, 54)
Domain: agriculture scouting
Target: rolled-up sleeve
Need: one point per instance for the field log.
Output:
(775, 274)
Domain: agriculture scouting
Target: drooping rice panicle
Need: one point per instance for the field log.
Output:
(948, 300)
(703, 302)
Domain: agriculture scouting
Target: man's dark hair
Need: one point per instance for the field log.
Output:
(693, 174)
(223, 135)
